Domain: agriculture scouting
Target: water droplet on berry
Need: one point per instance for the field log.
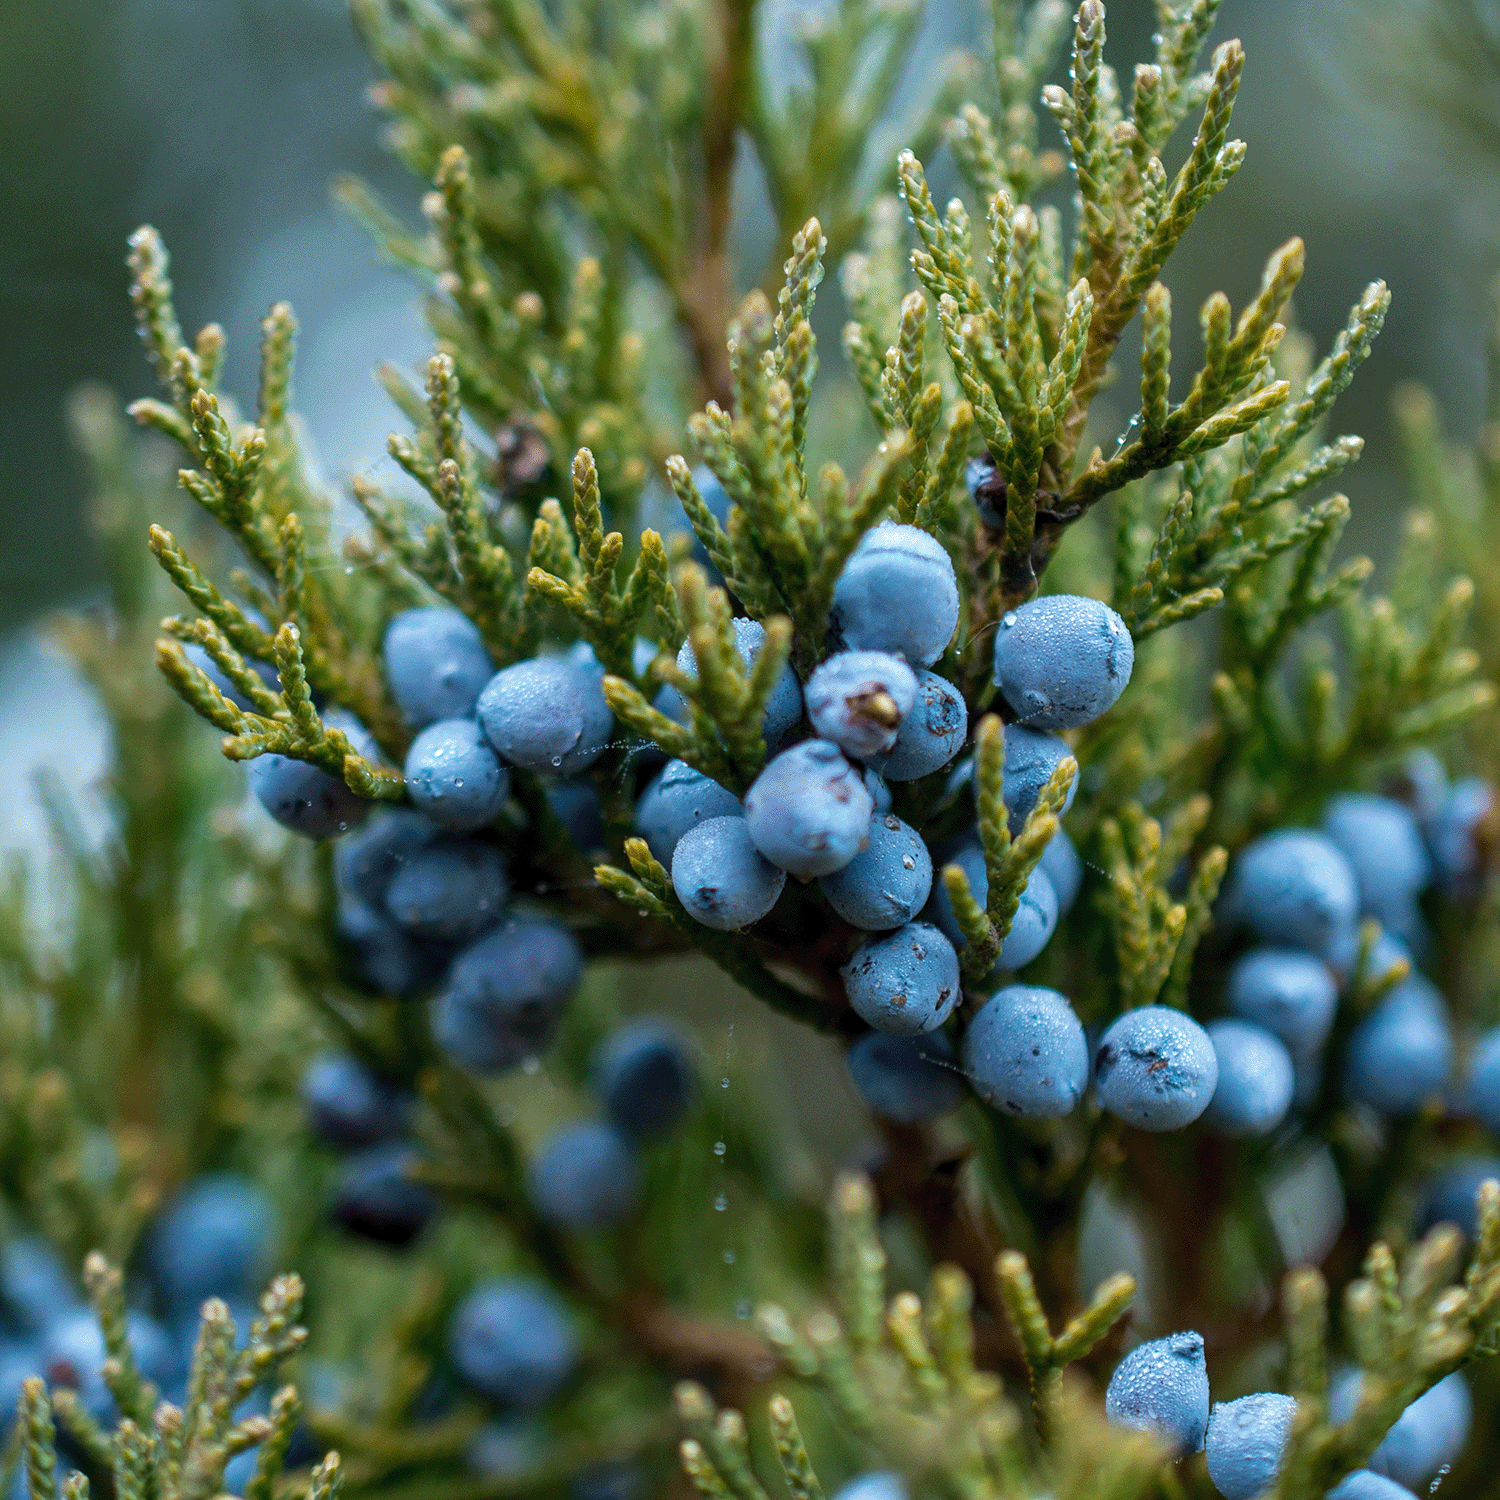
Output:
(458, 781)
(1008, 619)
(557, 760)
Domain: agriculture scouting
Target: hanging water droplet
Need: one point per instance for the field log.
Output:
(724, 1082)
(720, 1203)
(727, 1257)
(349, 572)
(719, 1148)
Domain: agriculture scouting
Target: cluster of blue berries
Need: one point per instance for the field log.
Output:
(1162, 1387)
(214, 1239)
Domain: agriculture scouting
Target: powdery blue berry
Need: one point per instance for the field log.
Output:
(212, 1240)
(1035, 918)
(1289, 992)
(1294, 888)
(546, 714)
(1246, 1443)
(1385, 954)
(435, 664)
(1452, 1196)
(1025, 1053)
(783, 707)
(1256, 1080)
(897, 593)
(1431, 1431)
(931, 734)
(1162, 1387)
(809, 810)
(577, 806)
(721, 878)
(878, 1484)
(1453, 835)
(1156, 1069)
(350, 1105)
(680, 798)
(366, 861)
(887, 883)
(386, 959)
(858, 699)
(1402, 1052)
(1366, 1484)
(1062, 660)
(880, 793)
(211, 669)
(1031, 756)
(375, 1196)
(1061, 864)
(505, 994)
(584, 1177)
(907, 1079)
(513, 1341)
(986, 487)
(454, 776)
(1484, 1081)
(644, 1074)
(309, 801)
(35, 1287)
(1383, 844)
(905, 982)
(450, 890)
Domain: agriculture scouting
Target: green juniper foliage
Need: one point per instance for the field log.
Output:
(613, 464)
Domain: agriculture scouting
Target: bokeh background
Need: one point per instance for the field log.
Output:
(1374, 131)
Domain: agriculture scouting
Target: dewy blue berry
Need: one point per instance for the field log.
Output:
(1383, 844)
(1246, 1443)
(859, 700)
(1035, 918)
(1289, 992)
(897, 593)
(1031, 756)
(1428, 1434)
(1061, 864)
(435, 664)
(930, 735)
(309, 801)
(783, 707)
(211, 669)
(1256, 1080)
(1293, 888)
(1156, 1069)
(907, 1079)
(1366, 1484)
(721, 878)
(1452, 1196)
(584, 1177)
(1401, 1054)
(809, 811)
(348, 1105)
(1162, 1387)
(505, 994)
(1025, 1053)
(376, 1197)
(678, 799)
(905, 981)
(644, 1074)
(513, 1341)
(214, 1239)
(547, 714)
(450, 890)
(887, 883)
(455, 777)
(367, 860)
(1062, 660)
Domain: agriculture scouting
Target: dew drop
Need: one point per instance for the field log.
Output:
(724, 1082)
(720, 1203)
(348, 572)
(557, 760)
(458, 781)
(727, 1257)
(1008, 619)
(719, 1148)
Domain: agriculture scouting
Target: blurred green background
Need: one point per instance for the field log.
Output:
(1374, 132)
